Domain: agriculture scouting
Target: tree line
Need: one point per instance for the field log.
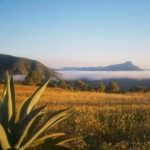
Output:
(80, 85)
(34, 78)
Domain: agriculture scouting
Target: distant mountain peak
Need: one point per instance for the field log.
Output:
(129, 63)
(127, 66)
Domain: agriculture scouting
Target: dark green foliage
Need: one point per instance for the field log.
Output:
(33, 78)
(101, 87)
(90, 88)
(2, 77)
(62, 84)
(22, 66)
(53, 84)
(125, 85)
(112, 87)
(138, 89)
(20, 130)
(69, 87)
(80, 85)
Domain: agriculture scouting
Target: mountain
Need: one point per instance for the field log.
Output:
(80, 69)
(22, 66)
(127, 66)
(147, 69)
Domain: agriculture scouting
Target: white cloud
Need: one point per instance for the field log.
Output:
(96, 75)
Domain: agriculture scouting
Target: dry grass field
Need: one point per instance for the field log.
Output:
(105, 121)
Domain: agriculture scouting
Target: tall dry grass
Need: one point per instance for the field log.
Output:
(105, 121)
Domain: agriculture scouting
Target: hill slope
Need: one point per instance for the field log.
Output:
(22, 66)
(127, 66)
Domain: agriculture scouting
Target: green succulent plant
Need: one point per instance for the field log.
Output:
(25, 128)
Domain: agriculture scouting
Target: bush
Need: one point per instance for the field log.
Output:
(80, 85)
(138, 89)
(26, 128)
(52, 84)
(101, 87)
(33, 78)
(62, 84)
(112, 87)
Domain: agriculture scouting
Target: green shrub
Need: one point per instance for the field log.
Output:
(80, 85)
(112, 87)
(33, 78)
(26, 127)
(101, 87)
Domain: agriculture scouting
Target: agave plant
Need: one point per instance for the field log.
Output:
(25, 128)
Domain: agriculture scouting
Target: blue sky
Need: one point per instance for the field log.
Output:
(76, 32)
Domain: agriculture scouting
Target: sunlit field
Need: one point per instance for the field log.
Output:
(104, 121)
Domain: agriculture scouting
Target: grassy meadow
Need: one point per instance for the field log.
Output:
(105, 121)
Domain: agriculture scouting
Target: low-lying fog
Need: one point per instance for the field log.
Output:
(19, 77)
(99, 75)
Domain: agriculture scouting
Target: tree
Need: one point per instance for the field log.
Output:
(33, 78)
(112, 87)
(2, 77)
(101, 87)
(80, 85)
(90, 88)
(62, 84)
(138, 89)
(52, 83)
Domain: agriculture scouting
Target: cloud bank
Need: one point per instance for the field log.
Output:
(19, 77)
(100, 75)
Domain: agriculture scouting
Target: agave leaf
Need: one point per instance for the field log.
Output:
(4, 139)
(26, 129)
(12, 121)
(41, 140)
(50, 122)
(12, 91)
(65, 139)
(34, 125)
(28, 104)
(36, 96)
(1, 103)
(22, 125)
(19, 112)
(59, 139)
(4, 93)
(32, 114)
(7, 109)
(47, 146)
(6, 104)
(9, 99)
(28, 122)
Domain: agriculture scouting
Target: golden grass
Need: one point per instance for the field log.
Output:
(66, 97)
(103, 120)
